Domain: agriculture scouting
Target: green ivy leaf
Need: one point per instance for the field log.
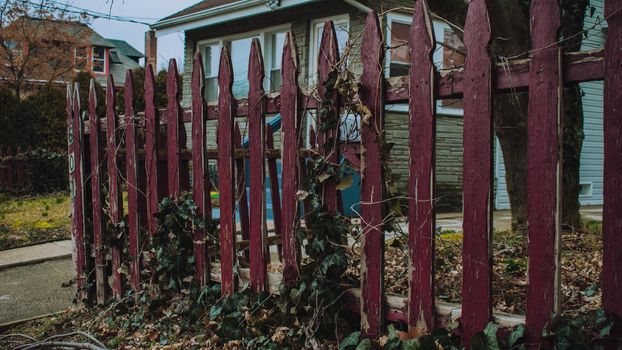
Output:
(491, 336)
(350, 340)
(364, 345)
(516, 336)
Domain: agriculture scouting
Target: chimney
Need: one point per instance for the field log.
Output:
(151, 49)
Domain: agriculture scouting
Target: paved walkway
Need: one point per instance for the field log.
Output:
(34, 254)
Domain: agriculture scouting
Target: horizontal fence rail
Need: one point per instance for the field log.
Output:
(131, 152)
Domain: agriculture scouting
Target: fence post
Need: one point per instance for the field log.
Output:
(152, 126)
(477, 173)
(372, 181)
(612, 210)
(200, 173)
(291, 142)
(544, 168)
(76, 173)
(101, 280)
(327, 71)
(421, 211)
(114, 188)
(257, 155)
(131, 166)
(174, 125)
(226, 155)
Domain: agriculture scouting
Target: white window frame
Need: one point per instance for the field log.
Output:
(93, 59)
(437, 58)
(85, 58)
(264, 36)
(315, 25)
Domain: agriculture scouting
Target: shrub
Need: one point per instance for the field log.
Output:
(47, 171)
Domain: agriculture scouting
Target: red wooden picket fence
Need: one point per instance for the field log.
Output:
(158, 165)
(14, 175)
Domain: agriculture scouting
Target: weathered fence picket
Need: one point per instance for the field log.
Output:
(226, 155)
(612, 208)
(21, 169)
(98, 220)
(115, 199)
(9, 170)
(257, 155)
(131, 174)
(372, 181)
(162, 168)
(544, 168)
(477, 173)
(422, 132)
(291, 142)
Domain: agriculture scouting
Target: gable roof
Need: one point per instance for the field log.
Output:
(200, 6)
(73, 29)
(125, 48)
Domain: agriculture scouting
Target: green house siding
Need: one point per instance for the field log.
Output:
(591, 171)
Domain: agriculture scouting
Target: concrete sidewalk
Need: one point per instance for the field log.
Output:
(34, 254)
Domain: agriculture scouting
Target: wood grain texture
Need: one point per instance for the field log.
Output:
(225, 173)
(200, 173)
(544, 168)
(101, 278)
(152, 126)
(422, 131)
(477, 173)
(76, 167)
(372, 181)
(612, 210)
(275, 192)
(174, 128)
(115, 199)
(131, 177)
(290, 118)
(241, 194)
(257, 139)
(328, 59)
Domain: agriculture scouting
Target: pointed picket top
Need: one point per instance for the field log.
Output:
(225, 173)
(612, 209)
(477, 173)
(257, 139)
(328, 59)
(131, 162)
(372, 183)
(544, 169)
(291, 117)
(421, 213)
(152, 126)
(173, 129)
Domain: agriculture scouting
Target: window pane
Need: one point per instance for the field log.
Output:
(452, 50)
(98, 66)
(211, 57)
(99, 52)
(400, 52)
(211, 89)
(278, 40)
(398, 69)
(240, 51)
(275, 79)
(341, 29)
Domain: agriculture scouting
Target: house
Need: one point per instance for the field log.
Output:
(210, 24)
(68, 48)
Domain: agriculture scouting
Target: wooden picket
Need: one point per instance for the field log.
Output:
(115, 199)
(421, 213)
(98, 221)
(612, 208)
(21, 170)
(477, 173)
(9, 170)
(372, 181)
(147, 183)
(544, 168)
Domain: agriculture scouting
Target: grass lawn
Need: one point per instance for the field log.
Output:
(33, 219)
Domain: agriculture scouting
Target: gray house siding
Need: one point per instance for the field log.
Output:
(591, 171)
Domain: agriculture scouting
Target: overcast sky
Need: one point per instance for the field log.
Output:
(170, 46)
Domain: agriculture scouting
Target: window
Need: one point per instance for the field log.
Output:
(99, 59)
(449, 53)
(342, 29)
(271, 40)
(81, 58)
